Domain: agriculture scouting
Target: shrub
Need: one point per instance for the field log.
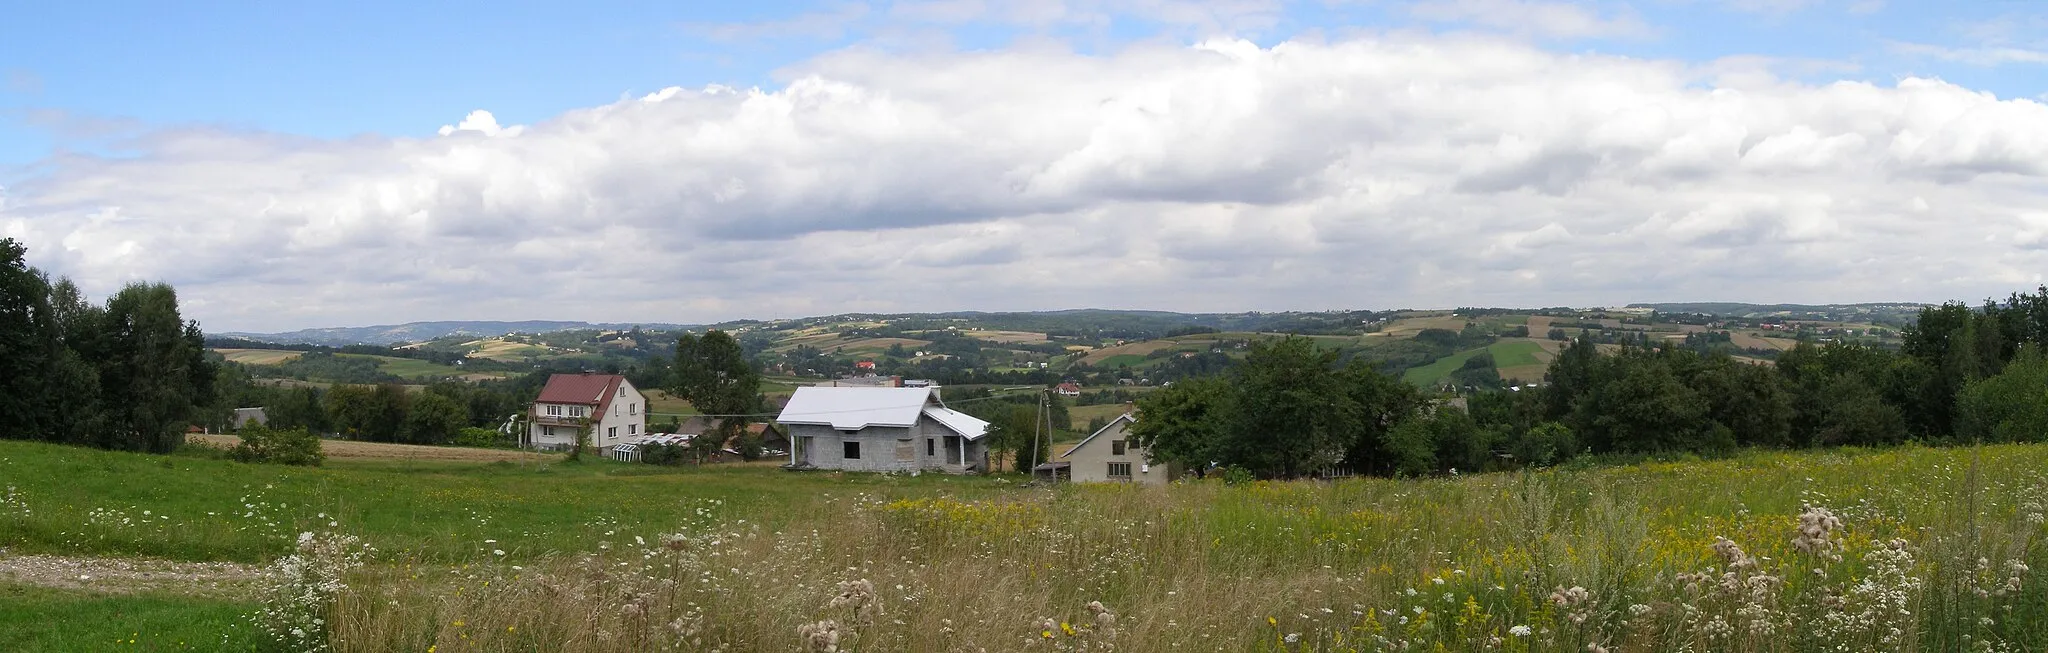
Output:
(261, 444)
(663, 454)
(475, 436)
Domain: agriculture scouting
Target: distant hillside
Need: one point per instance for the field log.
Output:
(387, 334)
(1894, 313)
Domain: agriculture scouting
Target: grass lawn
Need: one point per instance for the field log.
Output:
(1430, 374)
(91, 501)
(39, 619)
(1515, 353)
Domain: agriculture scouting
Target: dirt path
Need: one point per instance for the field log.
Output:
(387, 451)
(130, 575)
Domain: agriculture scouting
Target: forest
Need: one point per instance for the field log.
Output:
(1962, 375)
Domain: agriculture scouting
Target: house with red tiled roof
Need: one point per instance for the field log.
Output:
(608, 404)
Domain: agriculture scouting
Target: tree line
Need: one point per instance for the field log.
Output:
(128, 374)
(1962, 374)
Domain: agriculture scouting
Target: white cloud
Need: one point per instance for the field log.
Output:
(1388, 171)
(482, 122)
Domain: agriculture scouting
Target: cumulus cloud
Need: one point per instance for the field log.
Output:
(1375, 171)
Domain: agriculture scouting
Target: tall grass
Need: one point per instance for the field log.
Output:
(1909, 549)
(1768, 551)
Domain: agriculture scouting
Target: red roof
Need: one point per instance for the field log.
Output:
(586, 389)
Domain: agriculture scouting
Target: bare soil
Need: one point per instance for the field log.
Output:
(129, 575)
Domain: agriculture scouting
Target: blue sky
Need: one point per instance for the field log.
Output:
(299, 164)
(333, 70)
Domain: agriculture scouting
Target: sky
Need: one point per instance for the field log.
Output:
(294, 165)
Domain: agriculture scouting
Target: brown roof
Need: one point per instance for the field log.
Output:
(587, 389)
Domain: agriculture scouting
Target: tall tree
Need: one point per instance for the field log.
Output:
(27, 345)
(155, 372)
(712, 373)
(1292, 420)
(433, 419)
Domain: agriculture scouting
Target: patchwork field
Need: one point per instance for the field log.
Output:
(1909, 549)
(257, 356)
(1009, 337)
(504, 350)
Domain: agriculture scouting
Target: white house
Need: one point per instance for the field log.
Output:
(608, 403)
(881, 430)
(1108, 455)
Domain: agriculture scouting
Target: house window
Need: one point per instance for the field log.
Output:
(547, 431)
(622, 393)
(632, 429)
(852, 450)
(554, 410)
(632, 409)
(1120, 470)
(575, 411)
(613, 432)
(931, 446)
(1116, 447)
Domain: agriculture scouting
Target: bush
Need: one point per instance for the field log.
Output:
(664, 454)
(261, 444)
(476, 436)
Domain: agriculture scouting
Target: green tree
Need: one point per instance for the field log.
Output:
(156, 372)
(1638, 405)
(1751, 400)
(28, 346)
(2009, 407)
(712, 373)
(1373, 402)
(1290, 421)
(351, 409)
(1185, 422)
(434, 419)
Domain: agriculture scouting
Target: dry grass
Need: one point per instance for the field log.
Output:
(257, 356)
(389, 451)
(504, 350)
(1750, 340)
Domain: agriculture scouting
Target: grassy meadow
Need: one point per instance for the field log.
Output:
(1915, 549)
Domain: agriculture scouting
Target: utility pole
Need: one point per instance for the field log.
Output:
(1035, 424)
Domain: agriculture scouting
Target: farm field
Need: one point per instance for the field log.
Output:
(1554, 560)
(1521, 360)
(410, 368)
(1430, 374)
(1082, 414)
(257, 356)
